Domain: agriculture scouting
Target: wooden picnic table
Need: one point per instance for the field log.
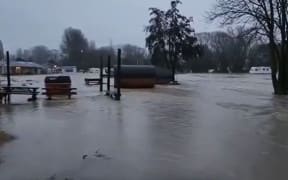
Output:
(19, 90)
(56, 91)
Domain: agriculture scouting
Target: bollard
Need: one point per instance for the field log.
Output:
(108, 75)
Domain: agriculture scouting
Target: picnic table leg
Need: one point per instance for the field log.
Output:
(5, 99)
(2, 98)
(34, 95)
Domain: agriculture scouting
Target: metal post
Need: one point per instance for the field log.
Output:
(8, 76)
(118, 77)
(108, 75)
(101, 74)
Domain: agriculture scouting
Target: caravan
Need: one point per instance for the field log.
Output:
(260, 70)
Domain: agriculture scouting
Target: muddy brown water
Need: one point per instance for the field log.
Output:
(211, 127)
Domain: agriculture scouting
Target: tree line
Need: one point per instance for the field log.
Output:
(235, 50)
(77, 50)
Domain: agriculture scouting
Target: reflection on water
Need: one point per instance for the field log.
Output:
(216, 127)
(4, 137)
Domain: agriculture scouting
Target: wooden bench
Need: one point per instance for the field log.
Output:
(56, 91)
(92, 81)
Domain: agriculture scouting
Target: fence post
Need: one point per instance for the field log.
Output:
(118, 77)
(108, 74)
(101, 74)
(8, 76)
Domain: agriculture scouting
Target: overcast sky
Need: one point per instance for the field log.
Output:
(25, 23)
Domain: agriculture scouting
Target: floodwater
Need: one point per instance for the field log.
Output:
(211, 127)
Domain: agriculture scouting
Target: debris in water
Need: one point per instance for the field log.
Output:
(53, 177)
(84, 156)
(4, 137)
(97, 154)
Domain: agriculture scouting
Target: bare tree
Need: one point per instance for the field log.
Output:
(220, 44)
(227, 51)
(19, 53)
(134, 55)
(92, 45)
(259, 55)
(41, 54)
(269, 17)
(242, 41)
(27, 54)
(74, 46)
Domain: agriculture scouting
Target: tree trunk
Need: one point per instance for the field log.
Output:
(278, 67)
(281, 90)
(286, 66)
(274, 67)
(282, 79)
(173, 71)
(280, 82)
(275, 83)
(167, 61)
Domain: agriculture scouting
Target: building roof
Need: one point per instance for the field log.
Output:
(28, 64)
(69, 66)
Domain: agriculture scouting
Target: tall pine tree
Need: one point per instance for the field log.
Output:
(171, 39)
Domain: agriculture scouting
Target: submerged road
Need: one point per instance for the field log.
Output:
(211, 127)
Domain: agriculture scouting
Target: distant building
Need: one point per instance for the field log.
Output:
(69, 69)
(22, 68)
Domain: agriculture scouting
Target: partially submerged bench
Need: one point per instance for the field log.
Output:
(58, 86)
(92, 81)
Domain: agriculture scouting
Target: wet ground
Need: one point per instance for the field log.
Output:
(211, 127)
